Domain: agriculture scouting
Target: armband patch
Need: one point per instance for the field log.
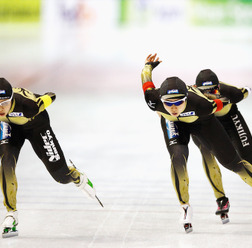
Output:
(47, 100)
(219, 104)
(16, 114)
(148, 85)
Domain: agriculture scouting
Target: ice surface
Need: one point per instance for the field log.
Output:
(108, 132)
(119, 144)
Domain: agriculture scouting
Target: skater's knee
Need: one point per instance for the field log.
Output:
(61, 175)
(179, 161)
(8, 165)
(179, 156)
(236, 165)
(8, 160)
(63, 179)
(248, 157)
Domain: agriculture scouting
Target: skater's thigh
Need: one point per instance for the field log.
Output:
(175, 132)
(11, 141)
(176, 138)
(179, 155)
(214, 137)
(47, 148)
(239, 133)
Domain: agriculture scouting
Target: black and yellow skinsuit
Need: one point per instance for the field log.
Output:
(28, 119)
(237, 129)
(197, 119)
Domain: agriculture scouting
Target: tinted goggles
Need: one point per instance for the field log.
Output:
(176, 103)
(213, 90)
(6, 102)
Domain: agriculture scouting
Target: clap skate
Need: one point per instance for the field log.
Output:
(9, 225)
(84, 184)
(186, 217)
(223, 208)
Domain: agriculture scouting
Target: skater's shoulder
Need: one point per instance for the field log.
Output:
(22, 93)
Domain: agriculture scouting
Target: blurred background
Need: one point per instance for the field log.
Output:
(91, 53)
(100, 46)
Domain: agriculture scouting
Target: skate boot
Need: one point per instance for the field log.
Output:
(9, 225)
(86, 186)
(83, 183)
(186, 217)
(223, 208)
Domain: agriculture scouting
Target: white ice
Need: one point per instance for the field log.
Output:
(105, 127)
(118, 142)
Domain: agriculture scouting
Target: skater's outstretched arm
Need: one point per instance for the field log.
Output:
(150, 63)
(45, 100)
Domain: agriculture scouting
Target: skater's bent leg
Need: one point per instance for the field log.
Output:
(239, 133)
(176, 139)
(211, 169)
(245, 172)
(57, 167)
(64, 174)
(179, 154)
(242, 167)
(8, 181)
(213, 173)
(10, 147)
(47, 148)
(224, 151)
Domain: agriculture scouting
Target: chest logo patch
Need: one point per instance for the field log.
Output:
(187, 113)
(16, 114)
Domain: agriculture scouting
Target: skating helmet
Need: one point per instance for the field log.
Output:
(173, 88)
(5, 89)
(207, 80)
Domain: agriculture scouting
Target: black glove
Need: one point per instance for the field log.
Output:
(153, 64)
(52, 95)
(248, 89)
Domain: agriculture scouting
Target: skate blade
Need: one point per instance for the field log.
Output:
(189, 230)
(9, 234)
(99, 201)
(224, 219)
(188, 227)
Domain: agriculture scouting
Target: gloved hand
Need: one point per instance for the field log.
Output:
(248, 89)
(152, 60)
(52, 95)
(153, 64)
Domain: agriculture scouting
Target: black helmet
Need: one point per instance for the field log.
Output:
(173, 88)
(5, 89)
(207, 79)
